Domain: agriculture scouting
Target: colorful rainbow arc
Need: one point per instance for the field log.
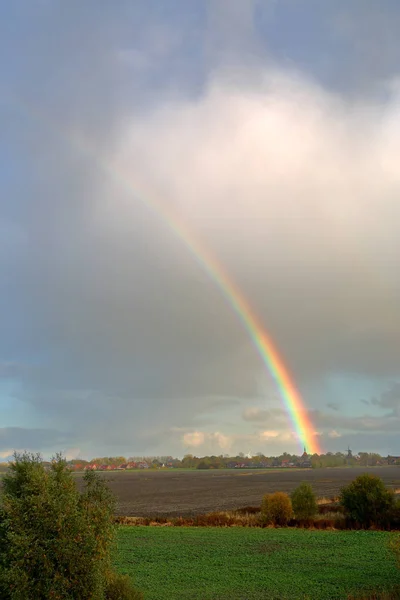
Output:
(207, 261)
(268, 352)
(266, 349)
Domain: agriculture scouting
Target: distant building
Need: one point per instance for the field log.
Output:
(305, 460)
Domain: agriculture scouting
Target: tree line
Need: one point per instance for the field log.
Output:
(224, 461)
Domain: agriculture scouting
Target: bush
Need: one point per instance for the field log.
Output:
(276, 509)
(367, 501)
(54, 541)
(248, 510)
(304, 502)
(119, 587)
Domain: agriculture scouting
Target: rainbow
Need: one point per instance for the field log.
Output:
(267, 350)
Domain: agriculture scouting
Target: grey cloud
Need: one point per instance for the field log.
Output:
(256, 414)
(230, 38)
(370, 30)
(272, 416)
(361, 423)
(325, 421)
(126, 421)
(389, 398)
(383, 443)
(23, 438)
(12, 369)
(333, 405)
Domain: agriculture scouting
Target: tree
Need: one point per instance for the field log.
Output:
(363, 458)
(366, 500)
(188, 461)
(276, 509)
(304, 502)
(55, 542)
(203, 465)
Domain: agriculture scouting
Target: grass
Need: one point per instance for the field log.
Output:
(253, 564)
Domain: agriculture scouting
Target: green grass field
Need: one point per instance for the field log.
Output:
(171, 563)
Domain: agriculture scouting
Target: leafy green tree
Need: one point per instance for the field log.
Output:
(366, 500)
(304, 502)
(189, 461)
(55, 542)
(276, 509)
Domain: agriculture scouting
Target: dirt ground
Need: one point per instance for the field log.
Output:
(186, 493)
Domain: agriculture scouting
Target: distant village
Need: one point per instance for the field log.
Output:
(258, 461)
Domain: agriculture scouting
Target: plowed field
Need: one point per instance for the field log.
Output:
(186, 493)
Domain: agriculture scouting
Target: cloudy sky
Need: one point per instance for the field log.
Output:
(271, 129)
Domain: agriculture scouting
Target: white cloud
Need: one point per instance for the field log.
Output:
(216, 439)
(194, 439)
(267, 435)
(223, 441)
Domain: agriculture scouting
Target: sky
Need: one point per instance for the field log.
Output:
(271, 129)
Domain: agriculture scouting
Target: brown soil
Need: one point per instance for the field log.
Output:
(187, 493)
